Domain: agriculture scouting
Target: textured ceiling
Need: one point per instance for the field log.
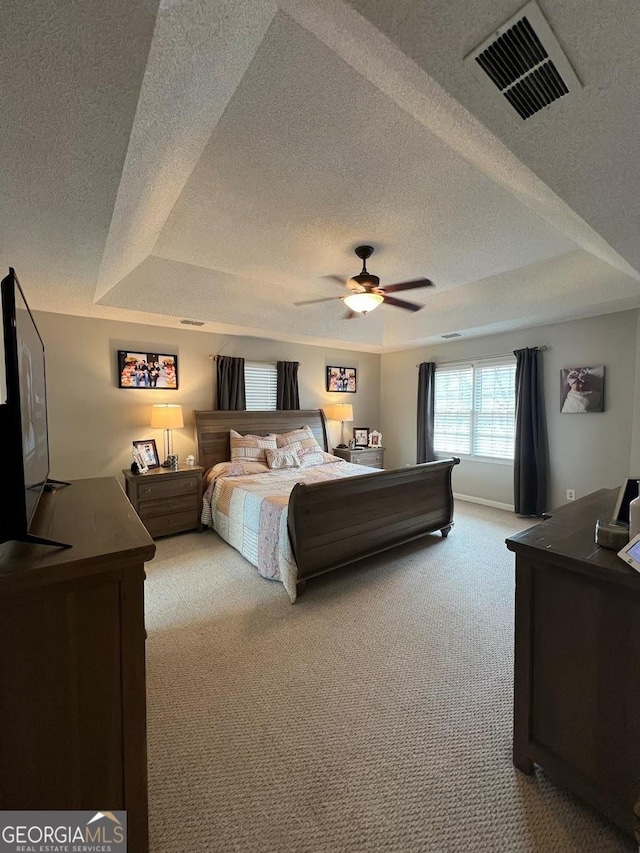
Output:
(219, 159)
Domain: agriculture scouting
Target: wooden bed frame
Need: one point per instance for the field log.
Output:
(338, 522)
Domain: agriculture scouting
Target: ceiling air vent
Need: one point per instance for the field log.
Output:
(192, 322)
(452, 335)
(524, 62)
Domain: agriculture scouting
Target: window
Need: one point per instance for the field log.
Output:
(475, 409)
(260, 386)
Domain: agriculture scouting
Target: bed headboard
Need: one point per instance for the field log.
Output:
(212, 429)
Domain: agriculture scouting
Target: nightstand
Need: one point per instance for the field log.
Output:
(373, 457)
(167, 501)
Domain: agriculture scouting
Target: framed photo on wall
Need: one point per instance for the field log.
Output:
(581, 390)
(341, 379)
(147, 370)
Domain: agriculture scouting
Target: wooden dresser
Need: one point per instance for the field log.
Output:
(577, 659)
(72, 665)
(372, 457)
(167, 501)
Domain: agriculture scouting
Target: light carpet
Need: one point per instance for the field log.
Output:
(372, 715)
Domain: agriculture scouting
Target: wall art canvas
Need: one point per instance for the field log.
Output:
(581, 390)
(147, 370)
(341, 379)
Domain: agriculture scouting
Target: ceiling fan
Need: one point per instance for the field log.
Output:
(366, 293)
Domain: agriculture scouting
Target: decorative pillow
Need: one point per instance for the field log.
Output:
(311, 456)
(251, 448)
(282, 459)
(299, 439)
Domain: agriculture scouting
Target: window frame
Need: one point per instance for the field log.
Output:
(497, 361)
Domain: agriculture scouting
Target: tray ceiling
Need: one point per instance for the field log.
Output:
(218, 161)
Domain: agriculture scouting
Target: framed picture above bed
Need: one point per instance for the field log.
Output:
(341, 379)
(147, 370)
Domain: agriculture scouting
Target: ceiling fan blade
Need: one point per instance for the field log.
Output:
(407, 285)
(337, 278)
(400, 303)
(315, 301)
(351, 315)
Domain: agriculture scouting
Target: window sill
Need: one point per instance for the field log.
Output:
(492, 460)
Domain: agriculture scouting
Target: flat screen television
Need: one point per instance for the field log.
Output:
(23, 417)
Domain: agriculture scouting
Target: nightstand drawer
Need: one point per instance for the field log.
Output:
(175, 522)
(373, 460)
(169, 488)
(372, 457)
(166, 506)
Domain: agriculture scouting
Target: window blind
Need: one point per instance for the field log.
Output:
(475, 409)
(453, 409)
(260, 386)
(494, 405)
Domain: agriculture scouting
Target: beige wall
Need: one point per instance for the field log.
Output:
(587, 452)
(92, 421)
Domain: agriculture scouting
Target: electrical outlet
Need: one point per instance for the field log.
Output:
(571, 494)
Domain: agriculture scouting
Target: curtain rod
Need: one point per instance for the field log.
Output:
(486, 357)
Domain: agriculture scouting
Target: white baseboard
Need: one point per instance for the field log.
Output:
(484, 502)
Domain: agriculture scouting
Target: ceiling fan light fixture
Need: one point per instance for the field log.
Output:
(362, 303)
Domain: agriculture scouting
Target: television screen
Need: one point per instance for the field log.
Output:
(33, 403)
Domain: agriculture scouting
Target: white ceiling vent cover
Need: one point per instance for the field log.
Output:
(524, 62)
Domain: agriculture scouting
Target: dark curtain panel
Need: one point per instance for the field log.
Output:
(288, 397)
(426, 402)
(531, 452)
(230, 383)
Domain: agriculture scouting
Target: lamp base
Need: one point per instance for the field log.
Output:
(341, 446)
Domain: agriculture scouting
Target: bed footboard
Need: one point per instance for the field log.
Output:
(341, 521)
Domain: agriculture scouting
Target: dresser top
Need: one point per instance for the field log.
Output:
(568, 538)
(95, 517)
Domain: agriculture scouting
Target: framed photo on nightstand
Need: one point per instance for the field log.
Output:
(148, 451)
(361, 436)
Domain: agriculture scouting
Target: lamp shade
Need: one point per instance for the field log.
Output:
(339, 412)
(166, 416)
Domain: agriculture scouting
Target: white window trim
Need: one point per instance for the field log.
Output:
(480, 362)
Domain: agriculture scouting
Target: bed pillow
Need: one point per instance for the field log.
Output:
(234, 469)
(277, 459)
(251, 448)
(309, 456)
(299, 439)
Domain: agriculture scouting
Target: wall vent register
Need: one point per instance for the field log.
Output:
(524, 62)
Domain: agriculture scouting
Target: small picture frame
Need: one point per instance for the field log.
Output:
(147, 370)
(628, 491)
(138, 465)
(361, 436)
(148, 451)
(375, 438)
(342, 379)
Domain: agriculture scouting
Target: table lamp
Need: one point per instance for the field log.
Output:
(167, 416)
(340, 412)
